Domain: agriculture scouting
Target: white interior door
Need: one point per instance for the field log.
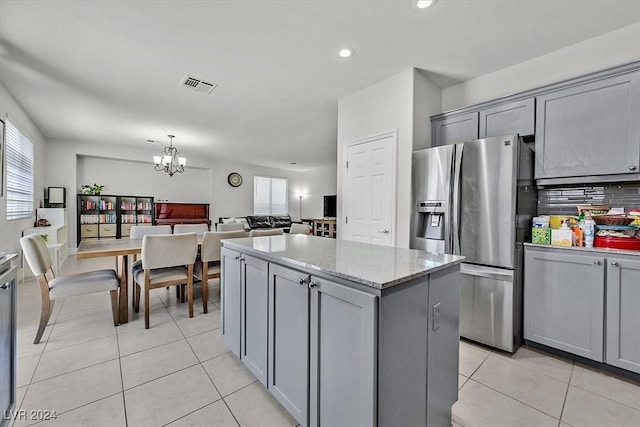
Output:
(370, 182)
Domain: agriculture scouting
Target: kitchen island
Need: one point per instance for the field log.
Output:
(345, 333)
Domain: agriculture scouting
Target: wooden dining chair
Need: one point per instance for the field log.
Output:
(300, 229)
(266, 232)
(164, 257)
(209, 265)
(199, 229)
(51, 288)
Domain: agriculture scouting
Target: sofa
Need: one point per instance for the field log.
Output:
(254, 222)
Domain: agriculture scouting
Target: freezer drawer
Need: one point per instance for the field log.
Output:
(487, 306)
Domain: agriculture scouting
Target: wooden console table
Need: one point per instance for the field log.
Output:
(324, 227)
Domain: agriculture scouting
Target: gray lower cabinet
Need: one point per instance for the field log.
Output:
(623, 313)
(288, 340)
(343, 355)
(230, 296)
(454, 129)
(590, 129)
(508, 119)
(8, 308)
(564, 301)
(254, 281)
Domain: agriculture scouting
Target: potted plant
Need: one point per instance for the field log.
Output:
(94, 189)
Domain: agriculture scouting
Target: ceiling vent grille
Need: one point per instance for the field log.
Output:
(197, 85)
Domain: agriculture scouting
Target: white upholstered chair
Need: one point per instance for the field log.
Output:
(164, 257)
(300, 228)
(233, 226)
(266, 232)
(199, 229)
(138, 232)
(51, 287)
(209, 267)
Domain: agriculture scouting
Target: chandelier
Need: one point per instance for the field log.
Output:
(170, 161)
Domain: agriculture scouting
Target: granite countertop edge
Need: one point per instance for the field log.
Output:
(270, 256)
(585, 249)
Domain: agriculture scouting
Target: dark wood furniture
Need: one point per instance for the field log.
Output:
(181, 213)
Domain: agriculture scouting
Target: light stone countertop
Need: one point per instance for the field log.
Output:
(584, 249)
(371, 265)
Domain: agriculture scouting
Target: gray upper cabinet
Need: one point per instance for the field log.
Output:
(564, 301)
(454, 129)
(289, 340)
(253, 312)
(230, 297)
(508, 119)
(589, 129)
(623, 316)
(343, 355)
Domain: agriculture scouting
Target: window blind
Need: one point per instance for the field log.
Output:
(270, 196)
(19, 154)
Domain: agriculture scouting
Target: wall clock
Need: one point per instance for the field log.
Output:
(234, 179)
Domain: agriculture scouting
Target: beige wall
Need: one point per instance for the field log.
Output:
(402, 102)
(615, 48)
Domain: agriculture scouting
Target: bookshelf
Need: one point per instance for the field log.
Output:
(111, 216)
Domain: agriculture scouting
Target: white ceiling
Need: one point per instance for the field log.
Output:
(109, 71)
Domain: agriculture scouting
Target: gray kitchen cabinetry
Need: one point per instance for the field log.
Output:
(623, 315)
(343, 355)
(245, 305)
(516, 117)
(452, 129)
(8, 309)
(564, 301)
(590, 129)
(288, 339)
(230, 297)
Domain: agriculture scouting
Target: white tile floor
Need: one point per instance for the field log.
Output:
(179, 373)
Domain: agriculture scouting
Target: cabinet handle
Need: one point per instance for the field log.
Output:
(302, 281)
(313, 285)
(237, 257)
(6, 286)
(597, 262)
(632, 168)
(615, 263)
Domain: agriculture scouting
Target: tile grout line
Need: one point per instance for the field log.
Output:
(124, 399)
(566, 394)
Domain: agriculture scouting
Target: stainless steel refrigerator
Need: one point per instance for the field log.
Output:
(476, 199)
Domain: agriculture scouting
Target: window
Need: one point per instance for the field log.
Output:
(19, 152)
(270, 196)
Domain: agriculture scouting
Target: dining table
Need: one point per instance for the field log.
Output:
(120, 249)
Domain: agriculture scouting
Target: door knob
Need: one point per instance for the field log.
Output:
(385, 231)
(632, 168)
(615, 263)
(313, 285)
(6, 286)
(302, 281)
(597, 262)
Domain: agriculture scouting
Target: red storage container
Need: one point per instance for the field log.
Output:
(631, 243)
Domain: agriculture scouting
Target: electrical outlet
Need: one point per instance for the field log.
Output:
(436, 316)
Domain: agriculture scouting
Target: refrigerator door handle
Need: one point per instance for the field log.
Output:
(455, 211)
(488, 272)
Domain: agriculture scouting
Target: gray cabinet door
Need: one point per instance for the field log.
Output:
(508, 119)
(589, 129)
(253, 315)
(564, 301)
(230, 286)
(623, 315)
(454, 129)
(289, 340)
(8, 308)
(343, 355)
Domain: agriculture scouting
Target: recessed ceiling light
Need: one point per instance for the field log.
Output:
(346, 52)
(423, 4)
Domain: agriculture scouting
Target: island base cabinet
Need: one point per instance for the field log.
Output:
(253, 315)
(623, 314)
(564, 301)
(343, 355)
(230, 298)
(288, 340)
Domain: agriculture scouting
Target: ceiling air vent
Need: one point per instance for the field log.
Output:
(197, 84)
